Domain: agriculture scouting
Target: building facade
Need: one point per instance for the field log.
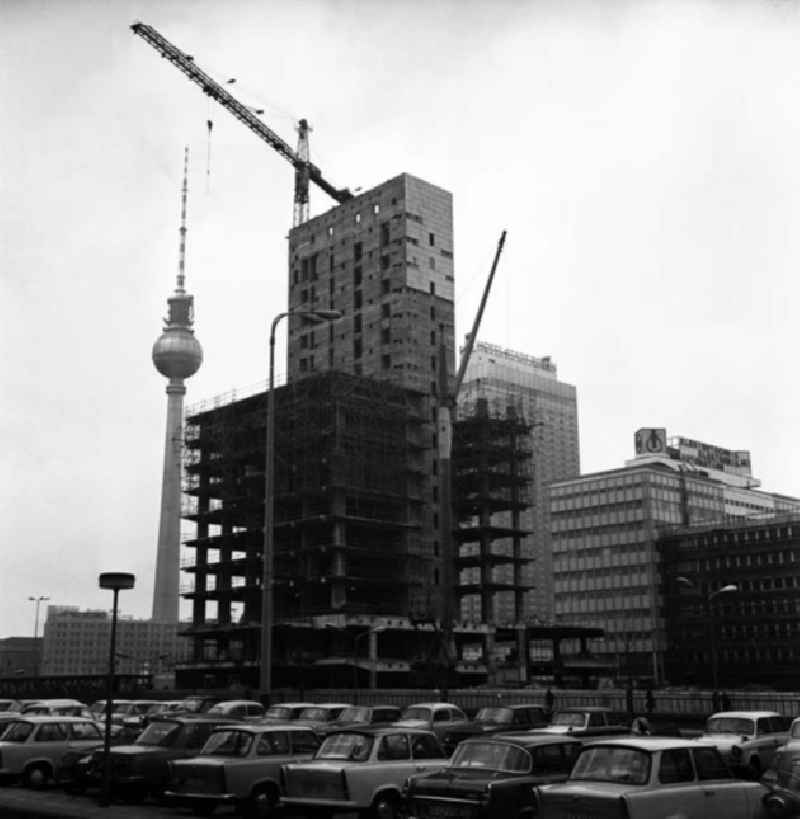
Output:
(606, 564)
(506, 379)
(384, 259)
(749, 633)
(20, 656)
(77, 642)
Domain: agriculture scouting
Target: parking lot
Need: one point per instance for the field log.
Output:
(16, 801)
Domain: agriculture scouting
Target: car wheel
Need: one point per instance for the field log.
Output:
(386, 806)
(37, 776)
(262, 803)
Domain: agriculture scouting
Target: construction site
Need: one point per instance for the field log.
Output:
(362, 511)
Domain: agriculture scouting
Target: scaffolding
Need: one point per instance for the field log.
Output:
(349, 476)
(492, 476)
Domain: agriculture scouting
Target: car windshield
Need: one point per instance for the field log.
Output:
(355, 747)
(730, 725)
(228, 743)
(617, 764)
(17, 732)
(495, 715)
(574, 718)
(277, 712)
(496, 756)
(319, 714)
(159, 732)
(417, 713)
(221, 708)
(354, 715)
(7, 706)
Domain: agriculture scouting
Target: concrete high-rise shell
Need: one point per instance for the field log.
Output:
(177, 355)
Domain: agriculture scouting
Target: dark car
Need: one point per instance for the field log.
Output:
(590, 722)
(142, 768)
(491, 778)
(783, 780)
(360, 716)
(496, 720)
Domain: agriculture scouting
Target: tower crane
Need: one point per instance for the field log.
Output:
(304, 171)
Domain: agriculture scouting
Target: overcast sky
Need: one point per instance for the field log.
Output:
(644, 158)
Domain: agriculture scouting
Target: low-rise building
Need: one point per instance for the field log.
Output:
(77, 642)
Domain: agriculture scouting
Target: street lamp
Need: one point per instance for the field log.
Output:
(116, 581)
(712, 621)
(268, 569)
(37, 601)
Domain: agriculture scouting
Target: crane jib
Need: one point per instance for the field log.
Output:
(186, 64)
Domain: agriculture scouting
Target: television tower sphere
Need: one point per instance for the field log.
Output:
(177, 353)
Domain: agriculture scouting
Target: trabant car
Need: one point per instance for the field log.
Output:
(491, 777)
(249, 710)
(651, 778)
(239, 765)
(439, 717)
(361, 770)
(286, 711)
(586, 722)
(141, 768)
(747, 739)
(496, 720)
(320, 716)
(34, 748)
(360, 716)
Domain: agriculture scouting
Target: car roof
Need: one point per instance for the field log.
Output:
(330, 705)
(432, 705)
(292, 704)
(745, 714)
(527, 740)
(236, 702)
(37, 718)
(583, 709)
(380, 730)
(57, 702)
(262, 727)
(180, 717)
(652, 743)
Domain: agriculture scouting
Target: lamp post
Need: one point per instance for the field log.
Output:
(268, 569)
(712, 621)
(115, 581)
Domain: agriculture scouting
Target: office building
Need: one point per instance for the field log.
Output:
(506, 380)
(605, 527)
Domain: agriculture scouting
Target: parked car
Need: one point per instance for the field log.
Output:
(439, 717)
(318, 717)
(495, 720)
(33, 748)
(198, 703)
(360, 770)
(747, 739)
(492, 777)
(649, 778)
(141, 768)
(165, 708)
(238, 709)
(132, 710)
(783, 779)
(240, 766)
(360, 716)
(286, 711)
(58, 708)
(98, 708)
(587, 722)
(9, 706)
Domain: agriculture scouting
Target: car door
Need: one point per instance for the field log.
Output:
(394, 756)
(84, 735)
(426, 752)
(49, 742)
(721, 794)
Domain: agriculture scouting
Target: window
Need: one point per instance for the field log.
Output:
(356, 348)
(384, 234)
(376, 209)
(433, 288)
(432, 263)
(385, 286)
(385, 335)
(431, 239)
(676, 766)
(50, 732)
(357, 323)
(358, 251)
(386, 361)
(357, 219)
(433, 337)
(425, 747)
(274, 743)
(386, 310)
(357, 299)
(710, 764)
(356, 276)
(304, 742)
(394, 746)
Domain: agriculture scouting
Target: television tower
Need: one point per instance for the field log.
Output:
(177, 355)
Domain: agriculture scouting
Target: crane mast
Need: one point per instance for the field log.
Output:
(305, 171)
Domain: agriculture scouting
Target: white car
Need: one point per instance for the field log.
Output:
(747, 738)
(34, 748)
